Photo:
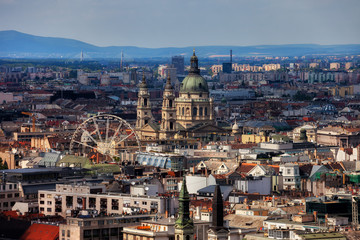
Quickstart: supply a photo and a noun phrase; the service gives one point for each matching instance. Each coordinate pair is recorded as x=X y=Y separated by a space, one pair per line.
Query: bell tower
x=168 y=115
x=184 y=225
x=143 y=107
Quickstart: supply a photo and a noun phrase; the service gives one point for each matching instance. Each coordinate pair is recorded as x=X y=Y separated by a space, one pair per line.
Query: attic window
x=222 y=166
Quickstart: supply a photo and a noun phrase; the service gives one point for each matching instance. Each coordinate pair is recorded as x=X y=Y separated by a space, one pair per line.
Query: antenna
x=121 y=61
x=231 y=56
x=81 y=56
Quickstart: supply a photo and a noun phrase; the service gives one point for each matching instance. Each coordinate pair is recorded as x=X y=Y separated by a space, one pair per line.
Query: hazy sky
x=178 y=23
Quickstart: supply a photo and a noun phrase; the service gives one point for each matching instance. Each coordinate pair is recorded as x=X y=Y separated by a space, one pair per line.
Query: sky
x=181 y=23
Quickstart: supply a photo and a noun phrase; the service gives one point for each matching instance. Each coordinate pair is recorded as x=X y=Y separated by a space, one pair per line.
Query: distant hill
x=15 y=44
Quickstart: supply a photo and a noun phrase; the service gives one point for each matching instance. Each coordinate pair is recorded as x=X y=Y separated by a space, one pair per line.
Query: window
x=48 y=209
x=144 y=203
x=10 y=186
x=49 y=202
x=288 y=171
x=68 y=233
x=63 y=233
x=6 y=204
x=17 y=195
x=87 y=233
x=200 y=111
x=9 y=195
x=96 y=233
x=42 y=202
x=205 y=113
x=2 y=195
x=113 y=231
x=194 y=111
x=183 y=111
x=42 y=195
x=41 y=209
x=101 y=222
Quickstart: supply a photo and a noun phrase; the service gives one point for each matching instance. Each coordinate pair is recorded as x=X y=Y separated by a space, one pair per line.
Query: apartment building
x=291 y=176
x=87 y=226
x=9 y=195
x=66 y=198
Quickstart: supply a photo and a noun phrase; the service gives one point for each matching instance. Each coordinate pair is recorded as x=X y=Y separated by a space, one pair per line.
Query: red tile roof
x=39 y=231
x=245 y=167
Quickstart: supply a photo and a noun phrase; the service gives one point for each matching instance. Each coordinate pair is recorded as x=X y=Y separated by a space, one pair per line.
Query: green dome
x=194 y=83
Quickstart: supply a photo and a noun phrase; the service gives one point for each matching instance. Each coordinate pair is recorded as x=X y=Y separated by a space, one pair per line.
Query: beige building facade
x=78 y=197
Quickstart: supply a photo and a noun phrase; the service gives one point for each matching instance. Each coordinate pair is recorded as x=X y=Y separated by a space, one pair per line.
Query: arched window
x=200 y=85
x=205 y=113
x=183 y=111
x=145 y=102
x=194 y=111
x=187 y=237
x=200 y=111
x=171 y=126
x=178 y=237
x=187 y=111
x=170 y=103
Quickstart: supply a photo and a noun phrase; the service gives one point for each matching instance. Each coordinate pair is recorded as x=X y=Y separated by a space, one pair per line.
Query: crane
x=32 y=115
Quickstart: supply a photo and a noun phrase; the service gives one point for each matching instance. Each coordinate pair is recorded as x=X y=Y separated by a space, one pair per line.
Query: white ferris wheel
x=104 y=138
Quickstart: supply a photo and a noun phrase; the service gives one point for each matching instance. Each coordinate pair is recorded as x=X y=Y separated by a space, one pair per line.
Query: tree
x=3 y=166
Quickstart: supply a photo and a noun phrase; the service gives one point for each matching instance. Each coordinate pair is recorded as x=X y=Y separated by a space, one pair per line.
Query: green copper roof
x=194 y=83
x=184 y=220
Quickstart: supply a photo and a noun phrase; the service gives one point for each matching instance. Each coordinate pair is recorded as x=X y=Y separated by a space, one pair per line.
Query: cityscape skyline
x=185 y=23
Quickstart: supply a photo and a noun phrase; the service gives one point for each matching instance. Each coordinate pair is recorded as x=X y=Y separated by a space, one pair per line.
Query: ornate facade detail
x=144 y=115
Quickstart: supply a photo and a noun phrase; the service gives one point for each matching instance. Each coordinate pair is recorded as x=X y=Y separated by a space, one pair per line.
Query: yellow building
x=254 y=138
x=341 y=91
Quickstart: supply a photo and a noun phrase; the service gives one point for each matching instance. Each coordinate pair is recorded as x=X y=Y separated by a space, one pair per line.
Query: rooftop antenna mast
x=121 y=61
x=81 y=56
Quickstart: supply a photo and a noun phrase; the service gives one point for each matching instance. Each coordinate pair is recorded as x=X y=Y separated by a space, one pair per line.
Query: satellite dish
x=133 y=183
x=146 y=188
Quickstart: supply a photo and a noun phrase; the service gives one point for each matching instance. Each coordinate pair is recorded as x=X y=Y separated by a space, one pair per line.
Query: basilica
x=191 y=115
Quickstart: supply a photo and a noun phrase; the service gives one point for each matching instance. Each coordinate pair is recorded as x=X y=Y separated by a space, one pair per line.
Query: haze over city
x=179 y=120
x=162 y=23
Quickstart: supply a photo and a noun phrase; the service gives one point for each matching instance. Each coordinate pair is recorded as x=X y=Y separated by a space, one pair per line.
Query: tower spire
x=218 y=209
x=184 y=225
x=194 y=64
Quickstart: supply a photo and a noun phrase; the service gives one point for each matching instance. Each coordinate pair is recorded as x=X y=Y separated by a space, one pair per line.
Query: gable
x=208 y=128
x=149 y=128
x=257 y=170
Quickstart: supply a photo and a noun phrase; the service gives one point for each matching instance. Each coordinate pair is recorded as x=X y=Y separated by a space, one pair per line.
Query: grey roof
x=258 y=124
x=31 y=189
x=211 y=189
x=31 y=170
x=50 y=159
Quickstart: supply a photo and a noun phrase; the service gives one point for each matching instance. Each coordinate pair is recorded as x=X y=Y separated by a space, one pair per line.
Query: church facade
x=187 y=116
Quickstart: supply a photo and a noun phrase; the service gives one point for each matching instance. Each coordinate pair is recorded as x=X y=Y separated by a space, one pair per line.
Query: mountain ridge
x=14 y=44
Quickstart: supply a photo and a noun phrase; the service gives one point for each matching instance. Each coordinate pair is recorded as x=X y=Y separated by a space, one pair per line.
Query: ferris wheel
x=104 y=138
